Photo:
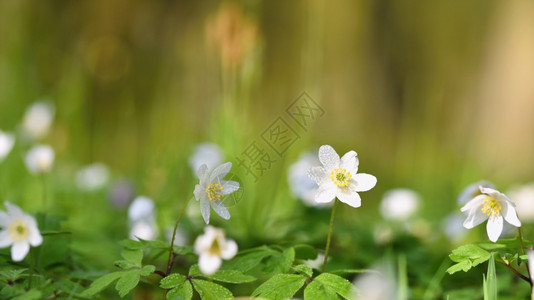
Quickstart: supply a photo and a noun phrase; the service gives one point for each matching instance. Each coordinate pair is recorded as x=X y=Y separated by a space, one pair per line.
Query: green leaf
x=466 y=257
x=102 y=282
x=172 y=281
x=281 y=286
x=135 y=256
x=183 y=291
x=316 y=290
x=131 y=244
x=127 y=282
x=352 y=271
x=231 y=276
x=211 y=291
x=124 y=264
x=336 y=284
x=279 y=263
x=303 y=251
x=304 y=269
x=147 y=270
x=29 y=295
x=490 y=282
x=11 y=275
x=248 y=259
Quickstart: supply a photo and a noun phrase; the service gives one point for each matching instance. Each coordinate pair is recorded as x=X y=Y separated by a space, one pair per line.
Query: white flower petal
x=13 y=210
x=7 y=141
x=494 y=228
x=229 y=187
x=203 y=174
x=199 y=191
x=205 y=209
x=530 y=253
x=230 y=250
x=328 y=157
x=209 y=264
x=326 y=192
x=475 y=217
x=19 y=250
x=142 y=208
x=350 y=162
x=364 y=182
x=349 y=197
x=34 y=237
x=488 y=191
x=5 y=219
x=471 y=191
x=509 y=213
x=5 y=239
x=473 y=203
x=318 y=174
x=220 y=172
x=220 y=209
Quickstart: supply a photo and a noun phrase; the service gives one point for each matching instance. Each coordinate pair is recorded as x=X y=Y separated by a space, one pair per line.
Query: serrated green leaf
x=316 y=290
x=182 y=292
x=172 y=281
x=231 y=276
x=29 y=295
x=131 y=244
x=248 y=259
x=124 y=264
x=102 y=282
x=304 y=269
x=127 y=282
x=211 y=291
x=135 y=256
x=281 y=286
x=337 y=284
x=466 y=257
x=11 y=275
x=279 y=263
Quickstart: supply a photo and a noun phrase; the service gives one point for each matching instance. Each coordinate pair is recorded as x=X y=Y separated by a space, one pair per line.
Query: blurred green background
x=432 y=95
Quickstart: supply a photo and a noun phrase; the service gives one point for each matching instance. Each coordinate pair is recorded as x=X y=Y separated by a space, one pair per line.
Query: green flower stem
x=329 y=235
x=522 y=247
x=174 y=235
x=43 y=179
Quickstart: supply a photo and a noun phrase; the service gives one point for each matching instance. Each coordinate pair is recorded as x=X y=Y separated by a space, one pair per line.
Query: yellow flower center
x=17 y=231
x=214 y=191
x=215 y=248
x=340 y=177
x=491 y=207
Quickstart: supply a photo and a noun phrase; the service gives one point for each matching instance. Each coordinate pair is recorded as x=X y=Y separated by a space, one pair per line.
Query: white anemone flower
x=206 y=153
x=38 y=118
x=19 y=230
x=143 y=229
x=339 y=178
x=377 y=284
x=493 y=206
x=92 y=177
x=40 y=159
x=142 y=208
x=472 y=190
x=7 y=140
x=301 y=185
x=523 y=197
x=399 y=204
x=212 y=247
x=212 y=188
